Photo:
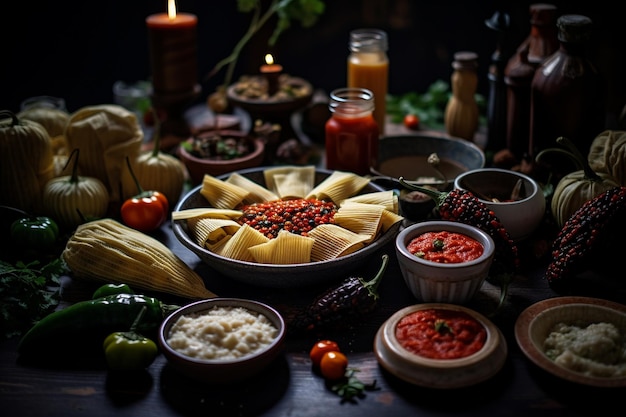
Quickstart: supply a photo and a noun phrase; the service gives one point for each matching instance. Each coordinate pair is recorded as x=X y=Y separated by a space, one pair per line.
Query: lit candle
x=173 y=51
x=272 y=73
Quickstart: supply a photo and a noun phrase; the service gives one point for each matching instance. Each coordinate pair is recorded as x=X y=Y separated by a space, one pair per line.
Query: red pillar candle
x=272 y=72
x=173 y=51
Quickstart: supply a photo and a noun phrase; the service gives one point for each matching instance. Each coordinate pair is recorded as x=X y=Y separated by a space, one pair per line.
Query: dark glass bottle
x=496 y=103
x=541 y=42
x=567 y=91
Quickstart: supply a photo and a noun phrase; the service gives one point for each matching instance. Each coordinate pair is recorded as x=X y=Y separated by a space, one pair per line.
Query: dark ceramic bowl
x=406 y=156
x=272 y=275
x=223 y=370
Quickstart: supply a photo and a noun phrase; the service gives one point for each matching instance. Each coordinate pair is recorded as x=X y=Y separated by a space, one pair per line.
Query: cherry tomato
x=321 y=347
x=412 y=121
x=146 y=211
x=333 y=365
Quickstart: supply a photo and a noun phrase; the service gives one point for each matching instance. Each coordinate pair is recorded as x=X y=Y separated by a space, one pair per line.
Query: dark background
x=77 y=50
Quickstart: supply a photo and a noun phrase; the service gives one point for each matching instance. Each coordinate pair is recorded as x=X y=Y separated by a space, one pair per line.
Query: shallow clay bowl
x=440 y=373
x=536 y=322
x=198 y=167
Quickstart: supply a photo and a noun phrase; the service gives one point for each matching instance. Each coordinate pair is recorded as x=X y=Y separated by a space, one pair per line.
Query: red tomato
x=321 y=347
x=146 y=211
x=412 y=121
x=333 y=365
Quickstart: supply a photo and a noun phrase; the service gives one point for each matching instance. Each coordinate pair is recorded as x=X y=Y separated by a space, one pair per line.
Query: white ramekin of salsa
x=444 y=261
x=440 y=345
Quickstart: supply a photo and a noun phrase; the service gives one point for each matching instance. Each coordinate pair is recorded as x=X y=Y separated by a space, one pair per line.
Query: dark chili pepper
x=129 y=350
x=351 y=298
x=81 y=327
x=111 y=289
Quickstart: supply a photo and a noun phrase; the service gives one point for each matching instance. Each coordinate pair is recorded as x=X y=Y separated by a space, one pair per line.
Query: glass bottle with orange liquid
x=352 y=135
x=368 y=67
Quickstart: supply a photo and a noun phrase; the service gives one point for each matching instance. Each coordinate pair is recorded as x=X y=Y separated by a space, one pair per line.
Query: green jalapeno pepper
x=128 y=351
x=111 y=289
x=81 y=327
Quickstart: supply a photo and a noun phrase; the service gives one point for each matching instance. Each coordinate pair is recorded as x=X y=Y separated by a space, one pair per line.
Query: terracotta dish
x=440 y=373
x=536 y=322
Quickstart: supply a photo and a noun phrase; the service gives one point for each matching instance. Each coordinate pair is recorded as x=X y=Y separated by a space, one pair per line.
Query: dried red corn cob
x=462 y=206
x=579 y=240
x=350 y=299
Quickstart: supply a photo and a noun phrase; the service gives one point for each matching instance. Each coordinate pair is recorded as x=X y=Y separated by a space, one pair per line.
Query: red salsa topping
x=445 y=247
x=297 y=216
x=441 y=334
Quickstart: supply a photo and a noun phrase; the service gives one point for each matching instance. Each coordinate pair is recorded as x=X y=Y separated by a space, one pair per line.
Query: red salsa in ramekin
x=441 y=334
x=445 y=247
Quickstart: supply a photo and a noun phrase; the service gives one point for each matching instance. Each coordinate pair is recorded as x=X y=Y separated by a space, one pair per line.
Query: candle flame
x=269 y=59
x=171 y=9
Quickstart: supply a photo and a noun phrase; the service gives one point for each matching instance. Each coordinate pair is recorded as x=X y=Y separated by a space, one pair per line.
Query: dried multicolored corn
x=578 y=242
x=462 y=206
x=352 y=298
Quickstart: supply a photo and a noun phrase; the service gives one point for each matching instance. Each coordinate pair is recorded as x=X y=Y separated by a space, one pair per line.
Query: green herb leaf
x=351 y=387
x=28 y=292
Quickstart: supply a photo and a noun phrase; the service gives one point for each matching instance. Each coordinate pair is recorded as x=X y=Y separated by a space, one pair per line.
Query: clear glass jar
x=368 y=67
x=352 y=134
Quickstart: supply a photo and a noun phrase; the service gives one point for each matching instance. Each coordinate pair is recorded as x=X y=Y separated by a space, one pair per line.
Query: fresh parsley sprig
x=28 y=292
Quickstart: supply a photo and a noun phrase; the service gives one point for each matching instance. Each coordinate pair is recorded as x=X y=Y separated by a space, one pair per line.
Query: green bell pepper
x=35 y=232
x=127 y=351
x=111 y=289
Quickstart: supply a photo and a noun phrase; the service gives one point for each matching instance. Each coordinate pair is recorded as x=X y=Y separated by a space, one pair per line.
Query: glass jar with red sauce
x=352 y=134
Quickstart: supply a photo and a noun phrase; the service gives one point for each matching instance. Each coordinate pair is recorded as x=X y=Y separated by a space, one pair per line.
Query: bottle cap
x=574 y=28
x=465 y=60
x=368 y=40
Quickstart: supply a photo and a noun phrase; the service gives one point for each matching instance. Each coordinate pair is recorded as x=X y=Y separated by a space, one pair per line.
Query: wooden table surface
x=289 y=387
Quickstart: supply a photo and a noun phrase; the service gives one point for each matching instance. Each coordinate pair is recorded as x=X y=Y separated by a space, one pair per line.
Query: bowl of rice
x=222 y=340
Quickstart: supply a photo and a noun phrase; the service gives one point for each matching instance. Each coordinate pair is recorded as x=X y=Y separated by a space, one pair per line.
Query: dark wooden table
x=289 y=387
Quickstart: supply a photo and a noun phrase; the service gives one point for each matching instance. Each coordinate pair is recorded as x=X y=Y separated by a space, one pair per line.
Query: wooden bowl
x=198 y=167
x=440 y=373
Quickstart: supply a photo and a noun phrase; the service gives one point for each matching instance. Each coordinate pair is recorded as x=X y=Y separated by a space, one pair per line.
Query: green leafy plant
x=28 y=292
x=306 y=12
x=429 y=107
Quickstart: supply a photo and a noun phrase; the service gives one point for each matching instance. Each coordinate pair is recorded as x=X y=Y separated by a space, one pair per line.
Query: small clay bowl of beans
x=439 y=345
x=444 y=261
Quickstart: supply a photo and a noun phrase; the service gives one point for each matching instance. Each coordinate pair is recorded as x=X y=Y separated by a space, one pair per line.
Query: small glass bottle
x=541 y=42
x=352 y=135
x=567 y=91
x=461 y=113
x=368 y=67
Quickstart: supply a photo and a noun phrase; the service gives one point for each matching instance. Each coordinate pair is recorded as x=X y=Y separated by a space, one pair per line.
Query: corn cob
x=351 y=299
x=580 y=239
x=107 y=251
x=462 y=206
